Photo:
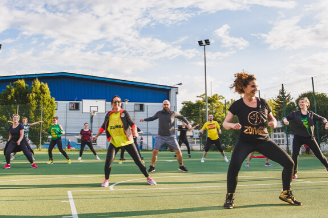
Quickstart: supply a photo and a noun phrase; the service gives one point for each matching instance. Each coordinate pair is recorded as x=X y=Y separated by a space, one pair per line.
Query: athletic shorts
x=216 y=142
x=170 y=141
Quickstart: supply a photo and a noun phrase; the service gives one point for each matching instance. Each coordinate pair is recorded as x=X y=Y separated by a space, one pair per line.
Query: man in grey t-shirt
x=166 y=134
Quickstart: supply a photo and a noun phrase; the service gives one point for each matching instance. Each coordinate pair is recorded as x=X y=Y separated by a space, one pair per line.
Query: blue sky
x=156 y=41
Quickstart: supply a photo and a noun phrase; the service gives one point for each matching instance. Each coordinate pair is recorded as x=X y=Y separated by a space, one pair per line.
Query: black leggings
x=216 y=142
x=23 y=146
x=89 y=145
x=60 y=147
x=123 y=149
x=185 y=141
x=132 y=150
x=313 y=145
x=268 y=149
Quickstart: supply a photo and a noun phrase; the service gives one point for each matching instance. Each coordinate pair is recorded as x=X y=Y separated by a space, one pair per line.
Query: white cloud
x=228 y=41
x=291 y=34
x=105 y=36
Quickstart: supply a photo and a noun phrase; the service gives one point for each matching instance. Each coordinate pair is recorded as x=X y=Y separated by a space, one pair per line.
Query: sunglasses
x=117 y=102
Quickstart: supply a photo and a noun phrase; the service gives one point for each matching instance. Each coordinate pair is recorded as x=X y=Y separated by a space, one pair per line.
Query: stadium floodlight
x=201 y=43
x=179 y=84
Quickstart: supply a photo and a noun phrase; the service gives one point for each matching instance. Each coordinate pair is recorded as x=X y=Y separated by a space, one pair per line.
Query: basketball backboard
x=97 y=105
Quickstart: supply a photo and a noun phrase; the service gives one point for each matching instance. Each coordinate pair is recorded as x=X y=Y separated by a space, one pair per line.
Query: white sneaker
x=150 y=181
x=79 y=158
x=226 y=159
x=105 y=183
x=247 y=165
x=98 y=158
x=203 y=160
x=12 y=158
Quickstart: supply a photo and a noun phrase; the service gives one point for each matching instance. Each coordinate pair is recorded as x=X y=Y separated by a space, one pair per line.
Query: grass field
x=62 y=190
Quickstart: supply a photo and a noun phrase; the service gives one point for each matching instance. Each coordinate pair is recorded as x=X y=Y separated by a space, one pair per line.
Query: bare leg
x=154 y=157
x=204 y=154
x=179 y=157
x=223 y=154
x=250 y=156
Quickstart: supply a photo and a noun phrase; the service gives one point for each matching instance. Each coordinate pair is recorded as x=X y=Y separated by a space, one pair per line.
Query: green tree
x=279 y=103
x=41 y=102
x=196 y=113
x=13 y=100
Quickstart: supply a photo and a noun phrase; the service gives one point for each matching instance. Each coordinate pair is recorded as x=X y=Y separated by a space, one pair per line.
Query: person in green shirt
x=56 y=131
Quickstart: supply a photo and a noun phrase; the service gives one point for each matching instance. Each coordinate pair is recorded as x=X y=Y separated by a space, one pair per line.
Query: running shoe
x=189 y=156
x=150 y=181
x=228 y=204
x=226 y=159
x=69 y=161
x=327 y=169
x=175 y=155
x=98 y=158
x=203 y=160
x=151 y=169
x=269 y=165
x=33 y=165
x=288 y=197
x=79 y=158
x=105 y=183
x=7 y=166
x=142 y=159
x=247 y=165
x=120 y=162
x=183 y=169
x=12 y=158
x=50 y=162
x=295 y=176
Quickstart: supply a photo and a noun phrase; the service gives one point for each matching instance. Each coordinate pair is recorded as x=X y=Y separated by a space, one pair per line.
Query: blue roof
x=70 y=86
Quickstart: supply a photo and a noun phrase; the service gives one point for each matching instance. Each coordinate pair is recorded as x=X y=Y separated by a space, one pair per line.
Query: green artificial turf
x=44 y=192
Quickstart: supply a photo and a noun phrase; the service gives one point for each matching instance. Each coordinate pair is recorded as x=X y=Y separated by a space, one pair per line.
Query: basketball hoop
x=93 y=113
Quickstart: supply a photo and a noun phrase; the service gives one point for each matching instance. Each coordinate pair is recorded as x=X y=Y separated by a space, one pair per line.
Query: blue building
x=69 y=89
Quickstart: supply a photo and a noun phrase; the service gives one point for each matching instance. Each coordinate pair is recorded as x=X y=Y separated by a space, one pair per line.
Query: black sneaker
x=189 y=156
x=151 y=169
x=228 y=204
x=183 y=169
x=288 y=197
x=175 y=155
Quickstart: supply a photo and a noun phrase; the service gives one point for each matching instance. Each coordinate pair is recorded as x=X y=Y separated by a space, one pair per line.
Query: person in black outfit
x=183 y=136
x=86 y=136
x=17 y=142
x=304 y=132
x=253 y=113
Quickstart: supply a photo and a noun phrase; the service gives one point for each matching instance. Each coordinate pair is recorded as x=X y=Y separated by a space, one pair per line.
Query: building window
x=74 y=106
x=139 y=107
x=56 y=105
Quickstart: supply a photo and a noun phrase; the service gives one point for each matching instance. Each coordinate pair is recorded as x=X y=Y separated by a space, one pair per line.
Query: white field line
x=71 y=202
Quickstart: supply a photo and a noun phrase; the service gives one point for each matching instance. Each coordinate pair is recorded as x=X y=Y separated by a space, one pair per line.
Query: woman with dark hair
x=86 y=135
x=56 y=131
x=253 y=114
x=120 y=129
x=17 y=142
x=304 y=132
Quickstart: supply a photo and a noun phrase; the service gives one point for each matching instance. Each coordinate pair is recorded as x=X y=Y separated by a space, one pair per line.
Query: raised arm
x=32 y=124
x=227 y=124
x=150 y=118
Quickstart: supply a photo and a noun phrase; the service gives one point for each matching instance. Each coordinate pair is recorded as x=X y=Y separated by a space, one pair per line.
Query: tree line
x=35 y=103
x=219 y=107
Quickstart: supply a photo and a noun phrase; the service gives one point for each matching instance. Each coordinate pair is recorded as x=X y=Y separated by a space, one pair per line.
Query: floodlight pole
x=206 y=99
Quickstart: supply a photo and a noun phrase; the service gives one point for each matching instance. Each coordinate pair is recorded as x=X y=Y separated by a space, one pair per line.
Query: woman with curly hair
x=253 y=114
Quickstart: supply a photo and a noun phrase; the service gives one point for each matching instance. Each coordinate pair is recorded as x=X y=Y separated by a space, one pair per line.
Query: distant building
x=69 y=89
